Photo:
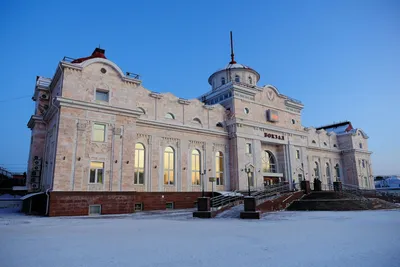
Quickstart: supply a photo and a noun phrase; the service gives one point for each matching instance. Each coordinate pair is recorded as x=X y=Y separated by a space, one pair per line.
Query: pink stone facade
x=235 y=119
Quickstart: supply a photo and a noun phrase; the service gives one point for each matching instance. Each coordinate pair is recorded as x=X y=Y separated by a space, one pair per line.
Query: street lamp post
x=248 y=171
x=202 y=174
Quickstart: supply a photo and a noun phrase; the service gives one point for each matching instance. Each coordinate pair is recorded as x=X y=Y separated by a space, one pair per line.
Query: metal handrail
x=223 y=200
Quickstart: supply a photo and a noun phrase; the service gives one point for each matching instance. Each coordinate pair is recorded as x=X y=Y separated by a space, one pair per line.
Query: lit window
x=99 y=132
x=139 y=164
x=246 y=110
x=268 y=162
x=250 y=80
x=169 y=165
x=297 y=154
x=237 y=78
x=101 y=96
x=248 y=148
x=195 y=167
x=219 y=168
x=96 y=172
x=222 y=80
x=170 y=116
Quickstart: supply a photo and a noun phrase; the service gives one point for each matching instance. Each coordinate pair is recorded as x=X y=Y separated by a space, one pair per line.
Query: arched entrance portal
x=269 y=168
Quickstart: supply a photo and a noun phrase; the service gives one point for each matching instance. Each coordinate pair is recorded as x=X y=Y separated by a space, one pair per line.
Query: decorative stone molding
x=82 y=125
x=183 y=101
x=155 y=95
x=169 y=141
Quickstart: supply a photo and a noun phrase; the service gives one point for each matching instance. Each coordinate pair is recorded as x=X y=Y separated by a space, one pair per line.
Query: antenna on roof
x=232 y=54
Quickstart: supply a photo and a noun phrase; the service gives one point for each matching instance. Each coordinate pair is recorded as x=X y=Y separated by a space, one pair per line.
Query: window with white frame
x=316 y=170
x=195 y=167
x=169 y=166
x=139 y=164
x=337 y=168
x=248 y=148
x=99 y=132
x=219 y=168
x=96 y=172
x=297 y=154
x=102 y=95
x=268 y=162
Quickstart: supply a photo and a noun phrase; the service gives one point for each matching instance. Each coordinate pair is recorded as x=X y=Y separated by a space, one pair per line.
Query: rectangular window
x=169 y=205
x=99 y=132
x=96 y=172
x=138 y=206
x=94 y=209
x=363 y=163
x=360 y=145
x=297 y=154
x=219 y=168
x=139 y=164
x=248 y=148
x=102 y=96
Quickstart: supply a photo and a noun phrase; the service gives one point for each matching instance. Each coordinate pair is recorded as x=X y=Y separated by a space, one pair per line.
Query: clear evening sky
x=340 y=58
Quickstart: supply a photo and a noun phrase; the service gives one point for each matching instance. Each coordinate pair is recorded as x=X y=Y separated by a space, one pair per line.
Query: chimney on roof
x=98 y=50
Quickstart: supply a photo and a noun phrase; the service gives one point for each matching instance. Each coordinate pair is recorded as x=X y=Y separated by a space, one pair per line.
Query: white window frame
x=137 y=169
x=101 y=91
x=248 y=148
x=138 y=203
x=193 y=170
x=105 y=132
x=219 y=174
x=96 y=173
x=173 y=167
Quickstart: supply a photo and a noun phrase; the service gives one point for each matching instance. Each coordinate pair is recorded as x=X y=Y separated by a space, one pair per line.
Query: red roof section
x=97 y=53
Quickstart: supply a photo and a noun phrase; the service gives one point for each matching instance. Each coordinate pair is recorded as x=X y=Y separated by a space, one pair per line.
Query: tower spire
x=232 y=54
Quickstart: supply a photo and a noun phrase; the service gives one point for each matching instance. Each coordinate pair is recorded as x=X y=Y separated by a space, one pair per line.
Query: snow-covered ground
x=362 y=238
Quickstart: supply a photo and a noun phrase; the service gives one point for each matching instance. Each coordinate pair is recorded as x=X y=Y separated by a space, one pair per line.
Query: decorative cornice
x=65 y=102
x=156 y=95
x=162 y=125
x=183 y=101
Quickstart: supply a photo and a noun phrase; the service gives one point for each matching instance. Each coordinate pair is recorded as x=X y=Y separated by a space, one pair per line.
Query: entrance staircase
x=350 y=198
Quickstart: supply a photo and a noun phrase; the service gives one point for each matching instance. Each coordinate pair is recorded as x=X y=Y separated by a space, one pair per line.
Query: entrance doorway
x=268 y=181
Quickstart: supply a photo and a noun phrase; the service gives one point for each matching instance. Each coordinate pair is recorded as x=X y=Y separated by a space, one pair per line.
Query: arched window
x=313 y=141
x=170 y=116
x=268 y=162
x=195 y=167
x=139 y=164
x=337 y=168
x=142 y=110
x=219 y=168
x=219 y=124
x=328 y=170
x=169 y=165
x=316 y=170
x=237 y=78
x=222 y=80
x=197 y=120
x=250 y=80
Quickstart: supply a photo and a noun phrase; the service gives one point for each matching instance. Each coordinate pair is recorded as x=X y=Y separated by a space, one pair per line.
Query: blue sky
x=340 y=58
